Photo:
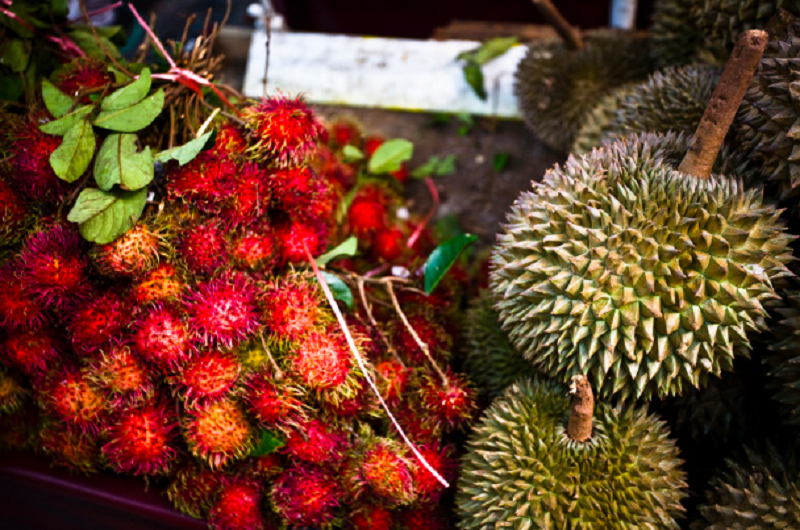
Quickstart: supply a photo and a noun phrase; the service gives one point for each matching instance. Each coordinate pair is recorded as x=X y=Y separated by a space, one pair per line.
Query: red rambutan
x=238 y=506
x=392 y=380
x=230 y=140
x=429 y=330
x=307 y=496
x=371 y=144
x=161 y=337
x=159 y=285
x=301 y=194
x=285 y=128
x=321 y=360
x=69 y=395
x=218 y=432
x=345 y=131
x=11 y=392
x=423 y=517
x=203 y=247
x=205 y=182
x=295 y=237
x=255 y=250
x=15 y=215
x=388 y=245
x=429 y=489
x=54 y=266
x=141 y=440
x=264 y=467
x=72 y=448
x=83 y=73
x=122 y=373
x=292 y=307
x=132 y=255
x=223 y=310
x=388 y=472
x=417 y=427
x=207 y=376
x=372 y=517
x=249 y=198
x=315 y=442
x=97 y=320
x=369 y=211
x=193 y=489
x=18 y=308
x=31 y=171
x=273 y=404
x=337 y=173
x=451 y=405
x=32 y=351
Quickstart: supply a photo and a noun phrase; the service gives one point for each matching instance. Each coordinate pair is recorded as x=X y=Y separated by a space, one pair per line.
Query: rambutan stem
x=569 y=33
x=422 y=346
x=724 y=104
x=581 y=412
x=435 y=196
x=278 y=371
x=363 y=366
x=368 y=308
x=94 y=13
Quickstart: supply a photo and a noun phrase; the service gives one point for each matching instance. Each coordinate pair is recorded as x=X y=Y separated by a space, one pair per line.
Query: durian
x=490 y=361
x=769 y=117
x=785 y=356
x=677 y=39
x=761 y=492
x=522 y=469
x=647 y=280
x=557 y=87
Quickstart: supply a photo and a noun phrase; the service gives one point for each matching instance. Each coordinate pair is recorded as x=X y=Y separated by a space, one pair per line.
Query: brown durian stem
x=725 y=101
x=569 y=33
x=581 y=412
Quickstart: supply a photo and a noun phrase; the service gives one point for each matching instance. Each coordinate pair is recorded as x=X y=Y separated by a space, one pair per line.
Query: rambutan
x=273 y=404
x=371 y=144
x=388 y=472
x=142 y=439
x=337 y=173
x=321 y=360
x=417 y=426
x=264 y=467
x=230 y=140
x=295 y=237
x=255 y=250
x=249 y=197
x=429 y=330
x=429 y=489
x=32 y=351
x=162 y=284
x=69 y=395
x=369 y=211
x=132 y=255
x=372 y=517
x=218 y=432
x=451 y=405
x=54 y=266
x=31 y=171
x=316 y=442
x=345 y=132
x=18 y=308
x=83 y=73
x=15 y=215
x=357 y=402
x=161 y=337
x=203 y=247
x=11 y=392
x=193 y=489
x=97 y=320
x=70 y=447
x=392 y=380
x=20 y=429
x=422 y=517
x=292 y=307
x=121 y=373
x=205 y=182
x=301 y=194
x=238 y=506
x=285 y=128
x=307 y=496
x=388 y=245
x=207 y=376
x=223 y=311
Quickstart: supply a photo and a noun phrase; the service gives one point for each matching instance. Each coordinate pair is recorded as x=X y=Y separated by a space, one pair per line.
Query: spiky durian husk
x=767 y=119
x=490 y=360
x=523 y=471
x=785 y=356
x=619 y=267
x=677 y=39
x=762 y=491
x=557 y=87
x=673 y=99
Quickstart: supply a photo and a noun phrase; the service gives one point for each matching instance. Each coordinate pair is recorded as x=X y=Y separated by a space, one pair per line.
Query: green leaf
x=16 y=54
x=348 y=248
x=133 y=118
x=447 y=166
x=60 y=8
x=86 y=41
x=119 y=75
x=268 y=443
x=11 y=87
x=118 y=162
x=105 y=215
x=344 y=205
x=339 y=289
x=72 y=157
x=500 y=161
x=436 y=166
x=390 y=156
x=185 y=153
x=57 y=102
x=474 y=77
x=441 y=259
x=60 y=126
x=352 y=154
x=128 y=95
x=492 y=49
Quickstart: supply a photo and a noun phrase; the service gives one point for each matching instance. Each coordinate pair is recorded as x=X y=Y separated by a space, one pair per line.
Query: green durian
x=677 y=39
x=557 y=87
x=768 y=122
x=619 y=267
x=522 y=471
x=490 y=360
x=760 y=492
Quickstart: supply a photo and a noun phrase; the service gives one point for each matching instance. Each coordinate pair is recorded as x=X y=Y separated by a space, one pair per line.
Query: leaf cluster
x=475 y=59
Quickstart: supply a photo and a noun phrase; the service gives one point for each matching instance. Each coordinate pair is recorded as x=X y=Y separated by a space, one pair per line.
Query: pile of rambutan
x=199 y=350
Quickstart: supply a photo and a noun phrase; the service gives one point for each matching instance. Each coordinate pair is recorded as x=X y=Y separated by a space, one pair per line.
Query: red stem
x=14 y=16
x=435 y=196
x=94 y=13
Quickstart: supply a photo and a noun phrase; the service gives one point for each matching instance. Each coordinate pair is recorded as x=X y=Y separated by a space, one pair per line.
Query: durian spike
x=581 y=412
x=724 y=103
x=569 y=33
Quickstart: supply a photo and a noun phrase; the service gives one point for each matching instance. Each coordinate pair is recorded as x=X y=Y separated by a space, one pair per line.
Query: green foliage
x=269 y=442
x=63 y=124
x=500 y=161
x=473 y=75
x=475 y=59
x=103 y=216
x=16 y=54
x=133 y=118
x=436 y=166
x=339 y=289
x=444 y=257
x=128 y=95
x=187 y=152
x=119 y=162
x=57 y=103
x=71 y=159
x=346 y=249
x=352 y=154
x=390 y=156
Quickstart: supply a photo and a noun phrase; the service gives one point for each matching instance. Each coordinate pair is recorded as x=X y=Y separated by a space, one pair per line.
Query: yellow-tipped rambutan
x=193 y=489
x=97 y=321
x=71 y=447
x=12 y=392
x=316 y=442
x=32 y=352
x=223 y=310
x=161 y=337
x=238 y=506
x=218 y=432
x=307 y=496
x=19 y=309
x=132 y=255
x=203 y=247
x=321 y=359
x=162 y=284
x=123 y=374
x=388 y=472
x=274 y=404
x=209 y=375
x=69 y=395
x=292 y=306
x=451 y=405
x=255 y=250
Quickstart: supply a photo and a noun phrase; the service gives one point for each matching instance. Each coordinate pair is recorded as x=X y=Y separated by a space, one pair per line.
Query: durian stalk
x=581 y=412
x=724 y=103
x=570 y=34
